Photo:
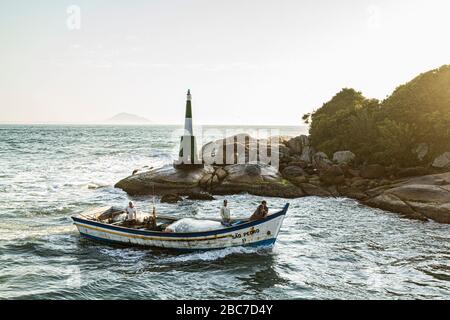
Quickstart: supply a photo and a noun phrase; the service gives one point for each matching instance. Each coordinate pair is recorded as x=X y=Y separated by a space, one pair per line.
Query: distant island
x=127 y=118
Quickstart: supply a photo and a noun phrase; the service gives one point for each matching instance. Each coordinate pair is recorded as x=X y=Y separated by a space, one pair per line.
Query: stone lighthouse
x=188 y=157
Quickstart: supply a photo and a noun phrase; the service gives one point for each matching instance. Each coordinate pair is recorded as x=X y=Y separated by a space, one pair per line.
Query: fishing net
x=194 y=225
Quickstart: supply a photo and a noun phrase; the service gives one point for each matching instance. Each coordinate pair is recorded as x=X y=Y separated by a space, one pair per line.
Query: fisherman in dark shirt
x=260 y=212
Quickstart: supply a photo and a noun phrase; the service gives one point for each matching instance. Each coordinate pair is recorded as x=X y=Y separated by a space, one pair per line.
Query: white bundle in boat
x=194 y=225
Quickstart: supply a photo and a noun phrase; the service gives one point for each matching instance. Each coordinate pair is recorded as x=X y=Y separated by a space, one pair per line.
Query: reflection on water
x=263 y=276
x=327 y=248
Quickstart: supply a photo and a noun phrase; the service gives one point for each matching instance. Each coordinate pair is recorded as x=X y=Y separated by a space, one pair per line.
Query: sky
x=255 y=62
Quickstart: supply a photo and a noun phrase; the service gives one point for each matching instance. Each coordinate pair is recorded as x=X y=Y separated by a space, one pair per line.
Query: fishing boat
x=98 y=224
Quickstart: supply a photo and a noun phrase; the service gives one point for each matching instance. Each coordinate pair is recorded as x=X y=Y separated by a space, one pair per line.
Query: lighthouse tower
x=188 y=157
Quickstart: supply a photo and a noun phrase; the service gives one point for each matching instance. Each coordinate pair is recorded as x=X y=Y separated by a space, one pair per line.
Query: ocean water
x=327 y=248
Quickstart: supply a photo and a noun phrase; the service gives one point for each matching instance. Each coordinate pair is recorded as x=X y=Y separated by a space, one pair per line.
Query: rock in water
x=343 y=157
x=443 y=161
x=221 y=173
x=295 y=174
x=297 y=144
x=312 y=190
x=413 y=172
x=200 y=196
x=250 y=170
x=257 y=179
x=205 y=181
x=171 y=198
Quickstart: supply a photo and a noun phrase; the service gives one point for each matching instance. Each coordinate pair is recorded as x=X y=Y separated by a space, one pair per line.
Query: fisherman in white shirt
x=131 y=211
x=225 y=214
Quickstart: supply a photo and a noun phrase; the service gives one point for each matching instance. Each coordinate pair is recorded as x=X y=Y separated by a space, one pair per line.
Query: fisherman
x=225 y=214
x=131 y=211
x=260 y=212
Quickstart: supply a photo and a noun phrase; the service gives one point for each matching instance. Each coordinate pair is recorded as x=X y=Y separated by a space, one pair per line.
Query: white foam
x=210 y=255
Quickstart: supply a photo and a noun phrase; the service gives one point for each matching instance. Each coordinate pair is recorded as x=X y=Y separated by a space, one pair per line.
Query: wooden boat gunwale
x=85 y=221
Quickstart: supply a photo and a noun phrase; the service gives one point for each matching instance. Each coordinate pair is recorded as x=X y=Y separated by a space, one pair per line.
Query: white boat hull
x=256 y=233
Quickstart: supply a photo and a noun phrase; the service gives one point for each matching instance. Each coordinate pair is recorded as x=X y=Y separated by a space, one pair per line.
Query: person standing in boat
x=260 y=212
x=131 y=211
x=225 y=214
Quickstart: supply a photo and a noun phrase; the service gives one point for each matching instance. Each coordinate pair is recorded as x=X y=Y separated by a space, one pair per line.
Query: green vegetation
x=387 y=132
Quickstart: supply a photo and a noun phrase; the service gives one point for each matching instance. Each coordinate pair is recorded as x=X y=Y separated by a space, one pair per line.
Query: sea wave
x=327 y=248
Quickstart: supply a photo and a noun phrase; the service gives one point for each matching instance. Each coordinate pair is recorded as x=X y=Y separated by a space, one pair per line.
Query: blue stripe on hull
x=262 y=243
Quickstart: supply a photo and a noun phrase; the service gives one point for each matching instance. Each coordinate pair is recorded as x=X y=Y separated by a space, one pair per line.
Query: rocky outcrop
x=171 y=198
x=372 y=171
x=201 y=196
x=293 y=171
x=341 y=157
x=332 y=176
x=426 y=197
x=238 y=148
x=415 y=192
x=443 y=161
x=164 y=180
x=314 y=190
x=242 y=149
x=320 y=161
x=257 y=179
x=297 y=144
x=212 y=179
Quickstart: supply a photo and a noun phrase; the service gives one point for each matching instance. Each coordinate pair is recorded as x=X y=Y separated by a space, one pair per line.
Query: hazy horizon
x=300 y=125
x=246 y=62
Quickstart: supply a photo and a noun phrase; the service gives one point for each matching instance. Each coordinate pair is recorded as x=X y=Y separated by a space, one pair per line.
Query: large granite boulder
x=307 y=154
x=351 y=192
x=341 y=157
x=242 y=149
x=165 y=180
x=171 y=198
x=293 y=172
x=443 y=161
x=349 y=172
x=314 y=190
x=201 y=196
x=320 y=161
x=211 y=179
x=298 y=147
x=283 y=152
x=257 y=179
x=238 y=148
x=332 y=176
x=372 y=171
x=426 y=197
x=297 y=144
x=413 y=172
